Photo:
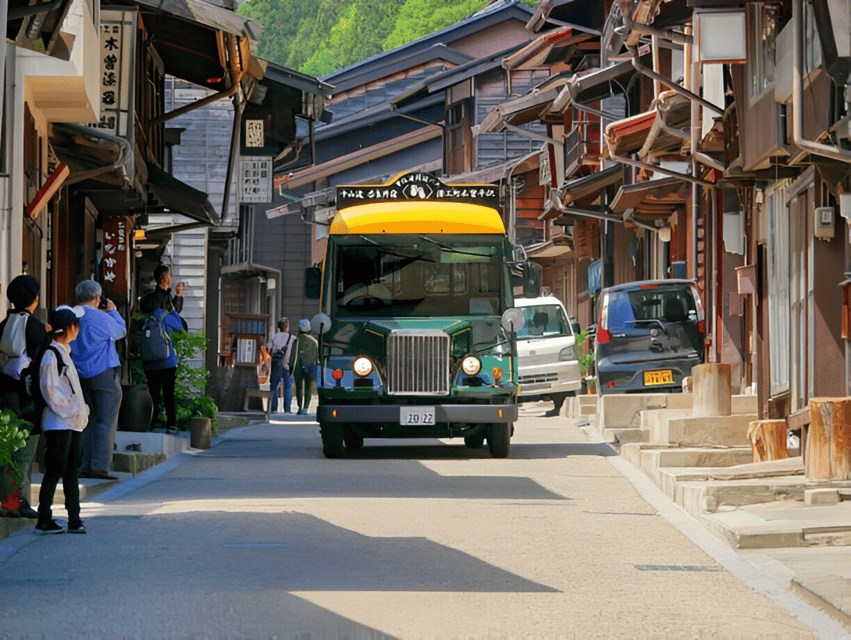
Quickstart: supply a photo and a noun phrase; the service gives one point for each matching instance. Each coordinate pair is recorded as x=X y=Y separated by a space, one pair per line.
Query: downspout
x=669 y=172
x=8 y=94
x=203 y=102
x=239 y=107
x=834 y=153
x=512 y=200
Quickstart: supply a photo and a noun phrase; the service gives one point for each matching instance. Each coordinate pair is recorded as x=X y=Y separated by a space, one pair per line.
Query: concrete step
x=89 y=487
x=698 y=457
x=134 y=463
x=630 y=435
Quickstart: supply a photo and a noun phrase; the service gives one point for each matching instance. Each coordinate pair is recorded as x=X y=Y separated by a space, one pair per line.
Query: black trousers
x=61 y=460
x=161 y=386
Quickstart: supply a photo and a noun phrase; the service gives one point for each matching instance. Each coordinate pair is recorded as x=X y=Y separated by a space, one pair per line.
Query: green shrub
x=13 y=436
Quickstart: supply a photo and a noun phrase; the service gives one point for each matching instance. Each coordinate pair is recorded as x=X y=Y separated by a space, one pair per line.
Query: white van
x=547 y=366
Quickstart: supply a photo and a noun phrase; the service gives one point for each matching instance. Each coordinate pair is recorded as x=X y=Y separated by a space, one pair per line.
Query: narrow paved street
x=261 y=537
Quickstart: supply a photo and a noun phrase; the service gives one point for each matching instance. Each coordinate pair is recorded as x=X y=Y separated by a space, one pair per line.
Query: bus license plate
x=658 y=377
x=416 y=416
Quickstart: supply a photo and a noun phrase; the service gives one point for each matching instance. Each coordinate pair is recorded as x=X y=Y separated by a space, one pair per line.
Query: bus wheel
x=474 y=442
x=332 y=439
x=499 y=440
x=352 y=439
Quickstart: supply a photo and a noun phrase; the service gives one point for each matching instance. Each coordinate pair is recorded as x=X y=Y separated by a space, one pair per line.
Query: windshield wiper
x=447 y=247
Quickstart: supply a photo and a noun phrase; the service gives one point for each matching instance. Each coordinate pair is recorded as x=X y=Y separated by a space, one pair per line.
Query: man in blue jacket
x=99 y=368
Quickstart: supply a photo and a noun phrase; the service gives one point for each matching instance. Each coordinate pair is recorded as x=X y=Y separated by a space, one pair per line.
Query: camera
x=104 y=302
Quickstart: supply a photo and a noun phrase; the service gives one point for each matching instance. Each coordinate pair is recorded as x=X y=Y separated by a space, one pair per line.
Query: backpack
x=13 y=345
x=31 y=379
x=154 y=340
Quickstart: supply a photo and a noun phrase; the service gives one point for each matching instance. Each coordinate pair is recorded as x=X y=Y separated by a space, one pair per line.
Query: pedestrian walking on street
x=303 y=362
x=24 y=294
x=63 y=421
x=99 y=368
x=281 y=346
x=161 y=375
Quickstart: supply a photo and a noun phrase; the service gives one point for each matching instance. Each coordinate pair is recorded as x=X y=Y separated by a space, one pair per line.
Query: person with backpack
x=65 y=416
x=99 y=368
x=303 y=361
x=159 y=359
x=281 y=346
x=24 y=294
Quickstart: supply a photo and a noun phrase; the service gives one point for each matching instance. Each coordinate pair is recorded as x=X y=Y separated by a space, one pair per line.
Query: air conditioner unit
x=823 y=225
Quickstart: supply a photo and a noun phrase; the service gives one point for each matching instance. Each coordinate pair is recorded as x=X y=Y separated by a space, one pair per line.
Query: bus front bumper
x=446 y=413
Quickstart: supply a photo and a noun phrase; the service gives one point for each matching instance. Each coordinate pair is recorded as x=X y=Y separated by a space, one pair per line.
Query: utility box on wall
x=823 y=227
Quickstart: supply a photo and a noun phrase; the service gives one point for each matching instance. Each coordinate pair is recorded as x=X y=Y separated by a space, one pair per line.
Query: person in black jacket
x=24 y=294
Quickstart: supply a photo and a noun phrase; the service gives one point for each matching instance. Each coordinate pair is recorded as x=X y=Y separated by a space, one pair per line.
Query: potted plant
x=191 y=381
x=13 y=436
x=586 y=363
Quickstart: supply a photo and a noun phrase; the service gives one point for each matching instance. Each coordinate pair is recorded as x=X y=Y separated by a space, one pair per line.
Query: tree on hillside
x=418 y=18
x=357 y=35
x=281 y=20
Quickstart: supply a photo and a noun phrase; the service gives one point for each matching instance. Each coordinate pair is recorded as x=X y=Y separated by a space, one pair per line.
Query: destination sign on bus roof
x=417 y=186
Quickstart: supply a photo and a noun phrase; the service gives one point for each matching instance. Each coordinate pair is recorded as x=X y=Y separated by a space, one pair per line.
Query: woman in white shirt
x=63 y=421
x=281 y=345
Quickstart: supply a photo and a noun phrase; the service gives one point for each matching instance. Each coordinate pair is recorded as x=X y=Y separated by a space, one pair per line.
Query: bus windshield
x=417 y=275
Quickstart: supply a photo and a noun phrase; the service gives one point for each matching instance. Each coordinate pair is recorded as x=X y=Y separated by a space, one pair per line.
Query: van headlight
x=568 y=353
x=362 y=366
x=471 y=365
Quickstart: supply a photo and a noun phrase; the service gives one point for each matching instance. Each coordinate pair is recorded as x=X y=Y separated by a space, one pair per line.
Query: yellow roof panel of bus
x=417 y=217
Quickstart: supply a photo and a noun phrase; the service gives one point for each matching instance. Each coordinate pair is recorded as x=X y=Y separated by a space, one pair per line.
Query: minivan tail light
x=603 y=336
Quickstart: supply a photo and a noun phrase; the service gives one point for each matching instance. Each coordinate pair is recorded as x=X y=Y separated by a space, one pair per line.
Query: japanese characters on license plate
x=658 y=377
x=416 y=416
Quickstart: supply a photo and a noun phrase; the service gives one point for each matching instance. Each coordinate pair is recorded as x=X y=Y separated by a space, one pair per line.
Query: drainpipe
x=835 y=153
x=7 y=92
x=239 y=107
x=512 y=200
x=669 y=172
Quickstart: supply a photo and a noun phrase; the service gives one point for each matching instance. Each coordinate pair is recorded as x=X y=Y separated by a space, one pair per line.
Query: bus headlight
x=362 y=366
x=471 y=365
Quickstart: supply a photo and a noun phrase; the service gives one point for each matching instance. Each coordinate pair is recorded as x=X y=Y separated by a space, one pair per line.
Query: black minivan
x=649 y=336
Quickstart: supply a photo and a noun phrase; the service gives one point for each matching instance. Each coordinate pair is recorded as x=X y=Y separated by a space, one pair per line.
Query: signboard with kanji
x=117 y=58
x=255 y=179
x=115 y=257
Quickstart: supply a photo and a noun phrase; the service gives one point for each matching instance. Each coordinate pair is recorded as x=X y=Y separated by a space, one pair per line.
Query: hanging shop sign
x=117 y=57
x=115 y=258
x=255 y=179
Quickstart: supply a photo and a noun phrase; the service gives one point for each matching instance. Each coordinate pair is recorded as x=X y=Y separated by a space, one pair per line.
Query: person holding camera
x=281 y=345
x=99 y=367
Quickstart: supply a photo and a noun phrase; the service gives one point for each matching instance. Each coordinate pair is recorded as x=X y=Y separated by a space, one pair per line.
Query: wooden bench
x=798 y=423
x=265 y=396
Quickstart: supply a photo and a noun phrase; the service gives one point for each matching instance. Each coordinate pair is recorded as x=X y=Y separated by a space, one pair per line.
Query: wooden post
x=829 y=439
x=712 y=390
x=768 y=440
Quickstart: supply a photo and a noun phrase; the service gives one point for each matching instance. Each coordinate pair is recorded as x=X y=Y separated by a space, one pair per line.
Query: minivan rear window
x=666 y=304
x=543 y=320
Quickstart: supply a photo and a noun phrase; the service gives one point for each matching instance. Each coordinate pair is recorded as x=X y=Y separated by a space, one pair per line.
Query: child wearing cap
x=63 y=421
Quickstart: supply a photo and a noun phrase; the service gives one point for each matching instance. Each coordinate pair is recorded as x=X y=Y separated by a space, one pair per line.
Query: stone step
x=89 y=487
x=630 y=435
x=697 y=457
x=134 y=463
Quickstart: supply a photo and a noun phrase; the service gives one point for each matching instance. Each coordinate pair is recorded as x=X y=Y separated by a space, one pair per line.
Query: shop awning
x=92 y=154
x=497 y=172
x=580 y=193
x=548 y=250
x=551 y=48
x=653 y=199
x=586 y=15
x=179 y=197
x=662 y=131
x=627 y=136
x=519 y=111
x=594 y=85
x=188 y=35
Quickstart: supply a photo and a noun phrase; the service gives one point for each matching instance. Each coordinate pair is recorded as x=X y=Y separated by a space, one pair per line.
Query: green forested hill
x=319 y=37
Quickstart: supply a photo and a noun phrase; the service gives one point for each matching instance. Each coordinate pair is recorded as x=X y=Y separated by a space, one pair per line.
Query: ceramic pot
x=137 y=409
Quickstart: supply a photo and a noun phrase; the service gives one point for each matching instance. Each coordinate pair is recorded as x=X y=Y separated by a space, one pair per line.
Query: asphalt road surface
x=261 y=537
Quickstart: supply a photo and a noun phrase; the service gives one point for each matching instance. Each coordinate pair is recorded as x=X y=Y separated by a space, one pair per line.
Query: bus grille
x=418 y=362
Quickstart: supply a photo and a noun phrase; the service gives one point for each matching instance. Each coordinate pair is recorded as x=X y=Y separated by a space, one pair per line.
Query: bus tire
x=332 y=439
x=474 y=442
x=499 y=440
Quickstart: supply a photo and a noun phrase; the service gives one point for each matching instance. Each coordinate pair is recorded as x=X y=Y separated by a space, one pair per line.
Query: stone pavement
x=797 y=532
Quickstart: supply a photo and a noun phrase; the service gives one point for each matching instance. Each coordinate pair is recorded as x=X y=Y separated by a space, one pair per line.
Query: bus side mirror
x=532 y=277
x=312 y=283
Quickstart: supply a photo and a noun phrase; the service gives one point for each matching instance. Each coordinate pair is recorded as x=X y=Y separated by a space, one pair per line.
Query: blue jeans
x=280 y=375
x=103 y=395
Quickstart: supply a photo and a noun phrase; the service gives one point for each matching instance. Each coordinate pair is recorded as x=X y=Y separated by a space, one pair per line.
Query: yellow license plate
x=658 y=377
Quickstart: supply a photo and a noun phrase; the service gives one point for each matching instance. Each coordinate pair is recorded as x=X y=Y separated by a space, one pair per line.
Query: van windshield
x=417 y=275
x=543 y=320
x=628 y=309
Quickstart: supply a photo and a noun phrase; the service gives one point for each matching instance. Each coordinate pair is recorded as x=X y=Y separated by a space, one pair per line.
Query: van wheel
x=474 y=442
x=332 y=439
x=352 y=439
x=499 y=440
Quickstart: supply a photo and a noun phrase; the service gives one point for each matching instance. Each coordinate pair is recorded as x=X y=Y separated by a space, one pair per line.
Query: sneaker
x=50 y=527
x=78 y=527
x=26 y=511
